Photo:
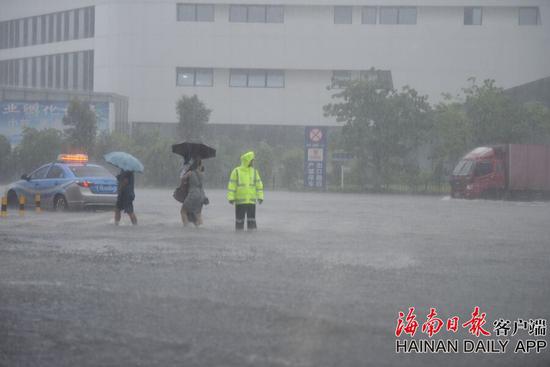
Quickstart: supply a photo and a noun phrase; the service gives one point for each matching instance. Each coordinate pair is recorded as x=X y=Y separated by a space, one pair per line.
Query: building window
x=275 y=79
x=58 y=24
x=255 y=78
x=204 y=77
x=205 y=13
x=237 y=13
x=238 y=78
x=368 y=15
x=50 y=70
x=194 y=77
x=34 y=30
x=17 y=27
x=381 y=78
x=25 y=72
x=92 y=22
x=86 y=22
x=26 y=31
x=76 y=70
x=407 y=15
x=58 y=71
x=340 y=78
x=50 y=28
x=187 y=12
x=275 y=14
x=66 y=71
x=388 y=15
x=473 y=15
x=66 y=24
x=529 y=16
x=43 y=35
x=185 y=77
x=43 y=61
x=256 y=14
x=398 y=15
x=33 y=72
x=343 y=15
x=3 y=35
x=195 y=12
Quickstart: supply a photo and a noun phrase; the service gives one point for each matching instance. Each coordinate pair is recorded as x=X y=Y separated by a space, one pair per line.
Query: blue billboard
x=14 y=116
x=315 y=157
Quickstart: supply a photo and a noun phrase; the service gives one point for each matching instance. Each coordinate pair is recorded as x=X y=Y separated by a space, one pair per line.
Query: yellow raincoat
x=245 y=184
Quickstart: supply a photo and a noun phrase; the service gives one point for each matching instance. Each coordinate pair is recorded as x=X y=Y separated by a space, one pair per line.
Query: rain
x=289 y=183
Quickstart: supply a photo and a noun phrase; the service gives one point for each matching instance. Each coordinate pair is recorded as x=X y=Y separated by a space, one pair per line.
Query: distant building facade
x=267 y=63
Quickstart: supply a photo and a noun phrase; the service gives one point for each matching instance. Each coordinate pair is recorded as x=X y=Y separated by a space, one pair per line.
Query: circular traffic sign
x=315 y=135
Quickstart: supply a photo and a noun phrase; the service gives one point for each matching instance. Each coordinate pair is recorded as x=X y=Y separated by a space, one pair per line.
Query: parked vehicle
x=511 y=171
x=69 y=183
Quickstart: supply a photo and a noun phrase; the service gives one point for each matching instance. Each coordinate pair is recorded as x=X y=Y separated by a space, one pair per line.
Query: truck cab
x=480 y=173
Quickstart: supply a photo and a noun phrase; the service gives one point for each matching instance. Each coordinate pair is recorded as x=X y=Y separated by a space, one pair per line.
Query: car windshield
x=90 y=171
x=463 y=168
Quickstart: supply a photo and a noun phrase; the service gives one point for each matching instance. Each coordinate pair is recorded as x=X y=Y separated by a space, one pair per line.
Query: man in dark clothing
x=126 y=196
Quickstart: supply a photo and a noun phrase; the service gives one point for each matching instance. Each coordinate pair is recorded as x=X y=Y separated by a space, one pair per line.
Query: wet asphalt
x=319 y=284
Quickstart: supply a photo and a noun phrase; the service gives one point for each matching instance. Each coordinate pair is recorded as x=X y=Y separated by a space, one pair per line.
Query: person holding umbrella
x=126 y=196
x=244 y=189
x=128 y=164
x=191 y=192
x=191 y=208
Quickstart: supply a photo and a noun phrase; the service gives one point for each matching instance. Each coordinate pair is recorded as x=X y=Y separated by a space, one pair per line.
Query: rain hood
x=246 y=158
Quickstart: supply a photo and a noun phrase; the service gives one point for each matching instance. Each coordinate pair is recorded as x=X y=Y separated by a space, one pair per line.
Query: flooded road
x=320 y=284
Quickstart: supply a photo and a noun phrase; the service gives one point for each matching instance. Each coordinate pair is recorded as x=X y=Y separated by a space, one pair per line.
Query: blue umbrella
x=124 y=161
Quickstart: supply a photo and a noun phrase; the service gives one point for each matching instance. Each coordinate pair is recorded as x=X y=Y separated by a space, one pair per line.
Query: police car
x=69 y=183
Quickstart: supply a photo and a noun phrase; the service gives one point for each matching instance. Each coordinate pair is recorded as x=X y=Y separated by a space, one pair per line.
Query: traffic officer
x=244 y=189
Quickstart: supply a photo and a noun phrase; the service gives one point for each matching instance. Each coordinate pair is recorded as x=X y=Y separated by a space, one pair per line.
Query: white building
x=267 y=62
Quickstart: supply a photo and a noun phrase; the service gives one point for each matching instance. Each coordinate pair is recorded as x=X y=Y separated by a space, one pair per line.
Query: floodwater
x=320 y=283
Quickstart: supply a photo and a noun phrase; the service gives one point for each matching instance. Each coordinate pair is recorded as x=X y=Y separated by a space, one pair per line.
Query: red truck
x=503 y=171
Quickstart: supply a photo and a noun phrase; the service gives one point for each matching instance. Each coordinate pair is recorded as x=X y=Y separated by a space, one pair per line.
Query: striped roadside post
x=22 y=200
x=37 y=203
x=4 y=211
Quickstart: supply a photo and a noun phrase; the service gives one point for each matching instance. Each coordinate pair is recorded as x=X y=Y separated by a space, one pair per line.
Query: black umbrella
x=193 y=150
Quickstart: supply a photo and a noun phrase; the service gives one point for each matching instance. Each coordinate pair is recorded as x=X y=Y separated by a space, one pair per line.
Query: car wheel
x=13 y=200
x=60 y=203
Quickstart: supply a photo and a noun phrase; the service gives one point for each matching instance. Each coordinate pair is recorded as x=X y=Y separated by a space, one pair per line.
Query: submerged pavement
x=320 y=284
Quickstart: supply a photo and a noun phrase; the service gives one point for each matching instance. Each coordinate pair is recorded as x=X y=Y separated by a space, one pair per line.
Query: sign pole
x=342 y=176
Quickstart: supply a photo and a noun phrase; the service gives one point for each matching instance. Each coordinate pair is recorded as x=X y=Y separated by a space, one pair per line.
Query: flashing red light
x=73 y=158
x=84 y=184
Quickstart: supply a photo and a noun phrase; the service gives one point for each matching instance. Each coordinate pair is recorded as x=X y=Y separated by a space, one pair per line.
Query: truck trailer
x=514 y=171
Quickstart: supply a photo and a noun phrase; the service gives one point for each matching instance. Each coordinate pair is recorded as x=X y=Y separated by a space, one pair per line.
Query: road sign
x=315 y=157
x=315 y=135
x=342 y=156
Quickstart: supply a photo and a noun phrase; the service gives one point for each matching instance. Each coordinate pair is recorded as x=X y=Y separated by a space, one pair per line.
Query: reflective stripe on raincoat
x=245 y=184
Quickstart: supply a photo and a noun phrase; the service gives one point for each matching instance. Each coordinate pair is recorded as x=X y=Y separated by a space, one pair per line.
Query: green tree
x=536 y=123
x=193 y=116
x=82 y=126
x=37 y=147
x=382 y=127
x=109 y=142
x=292 y=169
x=265 y=162
x=493 y=116
x=451 y=136
x=162 y=167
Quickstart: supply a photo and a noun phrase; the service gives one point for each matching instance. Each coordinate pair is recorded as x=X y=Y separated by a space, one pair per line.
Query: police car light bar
x=73 y=158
